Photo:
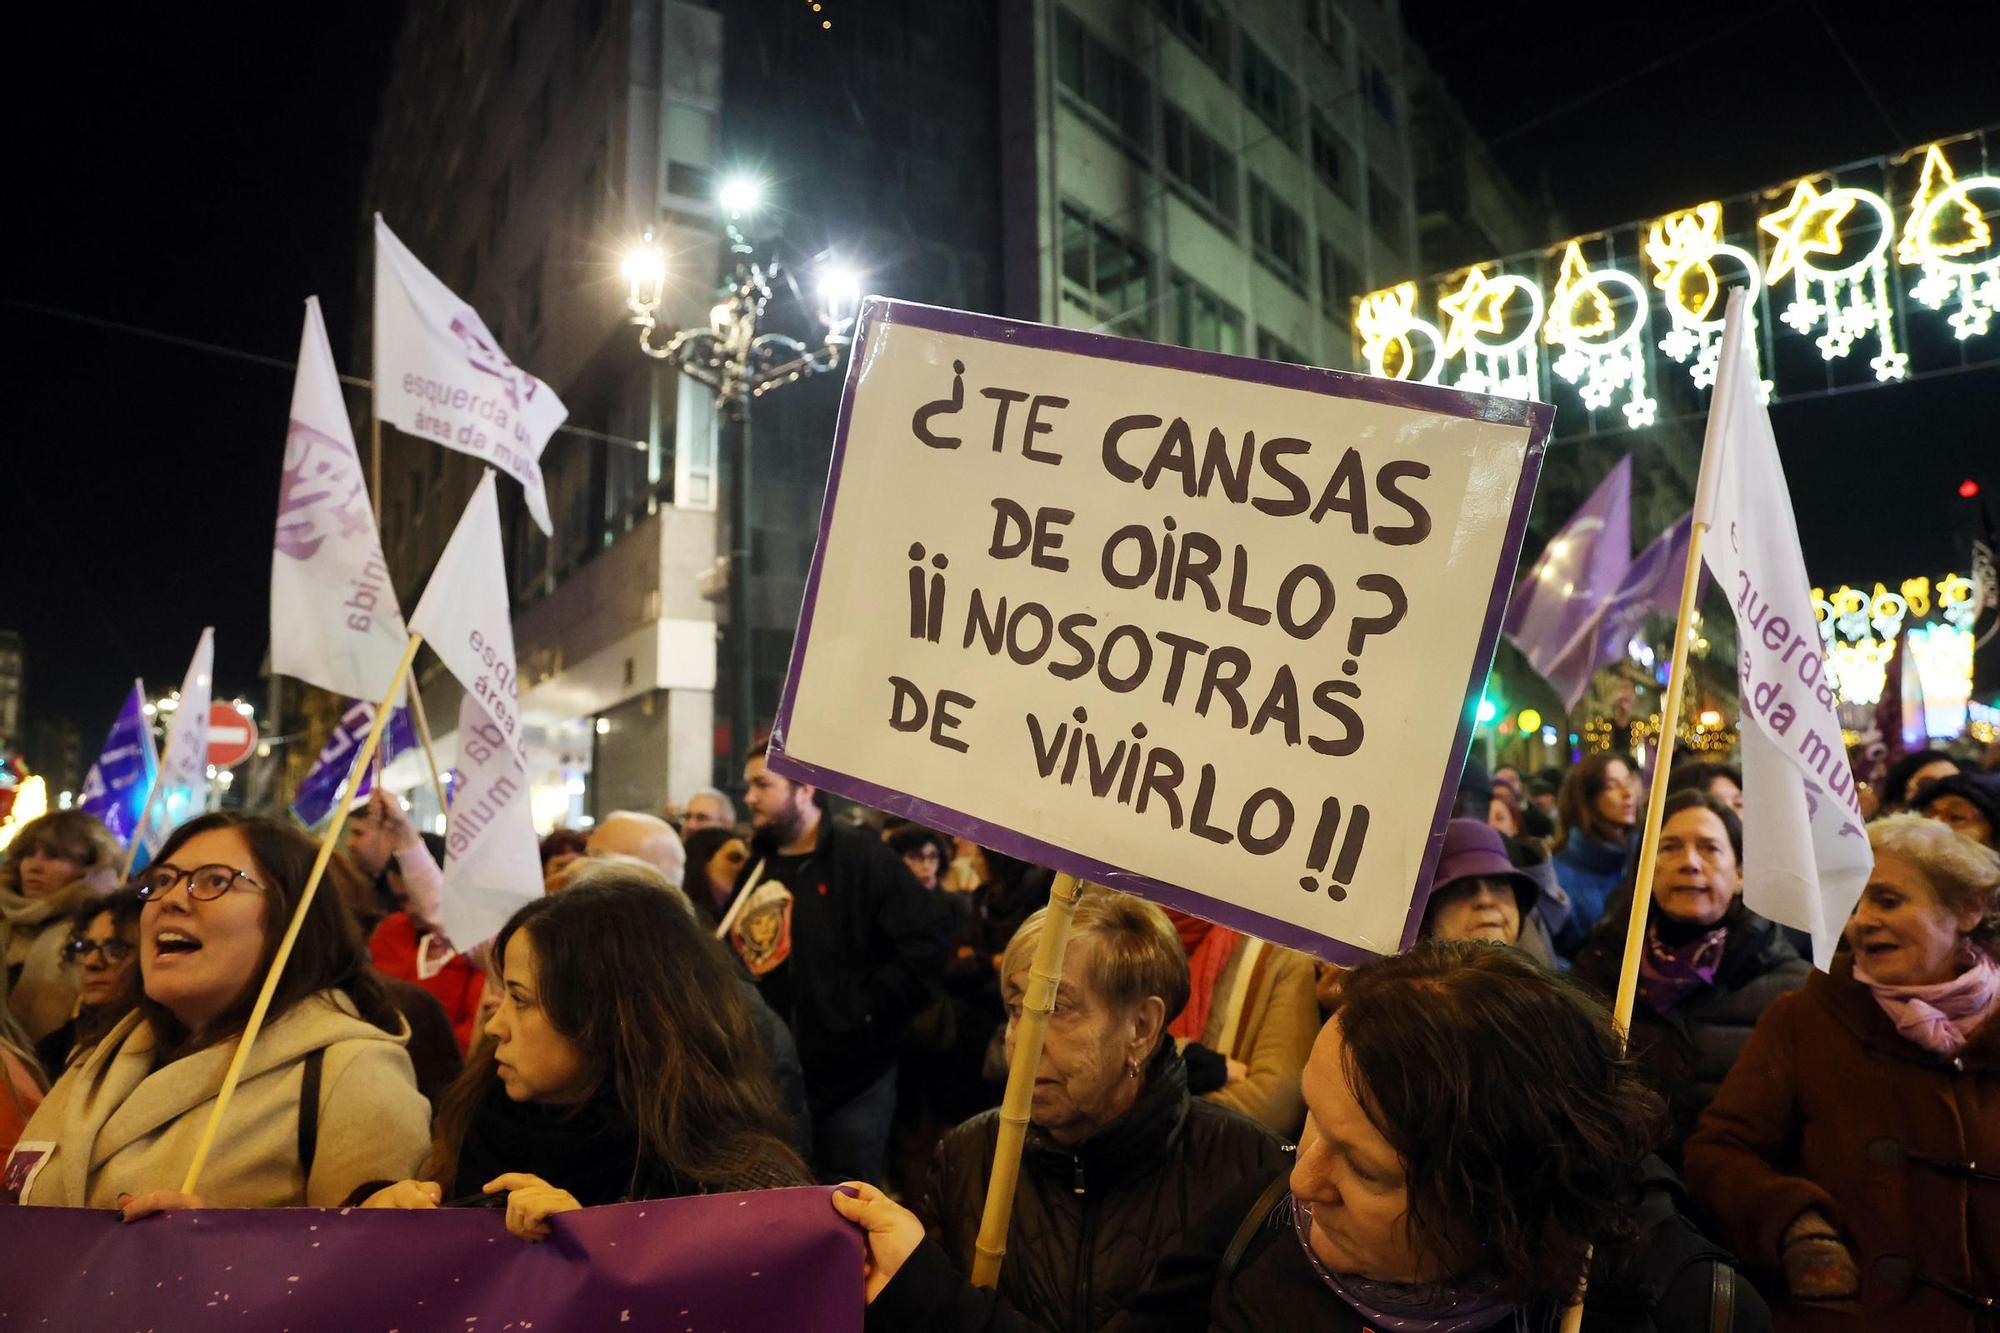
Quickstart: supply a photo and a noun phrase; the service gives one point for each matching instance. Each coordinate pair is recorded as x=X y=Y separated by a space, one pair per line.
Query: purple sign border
x=880 y=311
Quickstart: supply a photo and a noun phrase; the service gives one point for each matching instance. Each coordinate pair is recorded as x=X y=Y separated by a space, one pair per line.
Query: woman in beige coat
x=327 y=1100
x=56 y=864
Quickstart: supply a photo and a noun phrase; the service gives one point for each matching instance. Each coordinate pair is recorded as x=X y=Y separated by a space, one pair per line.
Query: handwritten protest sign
x=1193 y=626
x=715 y=1264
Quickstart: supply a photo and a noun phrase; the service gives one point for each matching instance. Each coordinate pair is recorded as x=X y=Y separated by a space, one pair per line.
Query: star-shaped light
x=1641 y=412
x=1795 y=239
x=1473 y=308
x=1891 y=366
x=1680 y=344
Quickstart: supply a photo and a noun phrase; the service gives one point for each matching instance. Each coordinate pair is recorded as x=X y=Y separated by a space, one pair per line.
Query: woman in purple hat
x=1477 y=892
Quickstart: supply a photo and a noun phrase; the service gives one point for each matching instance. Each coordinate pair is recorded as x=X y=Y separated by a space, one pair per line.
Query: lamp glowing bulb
x=1710 y=718
x=644 y=267
x=1487 y=711
x=839 y=293
x=1530 y=720
x=1968 y=488
x=740 y=194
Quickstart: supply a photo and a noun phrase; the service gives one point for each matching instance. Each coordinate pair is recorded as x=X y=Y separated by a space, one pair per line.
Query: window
x=1103 y=272
x=1201 y=22
x=1330 y=156
x=1270 y=347
x=1203 y=319
x=1339 y=281
x=1277 y=233
x=1323 y=21
x=1380 y=92
x=1385 y=206
x=1200 y=163
x=1103 y=80
x=1269 y=90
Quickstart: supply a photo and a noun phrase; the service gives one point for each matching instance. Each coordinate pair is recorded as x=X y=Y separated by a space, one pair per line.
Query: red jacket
x=457 y=984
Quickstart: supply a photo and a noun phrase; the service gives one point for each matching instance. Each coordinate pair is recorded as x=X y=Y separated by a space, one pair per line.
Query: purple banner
x=726 y=1263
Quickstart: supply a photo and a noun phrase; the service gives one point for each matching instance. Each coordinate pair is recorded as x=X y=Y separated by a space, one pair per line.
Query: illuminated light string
x=1390 y=329
x=1600 y=353
x=1685 y=248
x=1860 y=628
x=1481 y=305
x=1947 y=237
x=1852 y=301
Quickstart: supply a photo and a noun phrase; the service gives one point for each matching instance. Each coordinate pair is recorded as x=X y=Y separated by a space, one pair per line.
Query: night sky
x=197 y=170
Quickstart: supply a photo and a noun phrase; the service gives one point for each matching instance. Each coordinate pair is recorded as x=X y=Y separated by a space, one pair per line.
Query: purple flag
x=120 y=782
x=326 y=783
x=1653 y=583
x=1579 y=570
x=720 y=1263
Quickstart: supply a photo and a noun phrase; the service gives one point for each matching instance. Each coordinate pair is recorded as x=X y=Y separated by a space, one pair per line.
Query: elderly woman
x=1473 y=1134
x=1852 y=1150
x=1597 y=807
x=1120 y=1160
x=55 y=864
x=1710 y=967
x=327 y=1099
x=1477 y=893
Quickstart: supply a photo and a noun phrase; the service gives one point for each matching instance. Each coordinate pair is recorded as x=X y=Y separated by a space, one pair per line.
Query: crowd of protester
x=1223 y=1133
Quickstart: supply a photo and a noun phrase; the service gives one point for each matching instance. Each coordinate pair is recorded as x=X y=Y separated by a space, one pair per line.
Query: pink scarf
x=1940 y=1017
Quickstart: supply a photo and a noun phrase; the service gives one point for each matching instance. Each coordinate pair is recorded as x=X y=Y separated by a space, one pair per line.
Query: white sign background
x=1260 y=829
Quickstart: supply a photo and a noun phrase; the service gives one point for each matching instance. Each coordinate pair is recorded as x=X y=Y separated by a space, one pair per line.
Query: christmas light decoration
x=1685 y=249
x=1504 y=365
x=1947 y=236
x=1387 y=322
x=1853 y=289
x=1860 y=628
x=1600 y=352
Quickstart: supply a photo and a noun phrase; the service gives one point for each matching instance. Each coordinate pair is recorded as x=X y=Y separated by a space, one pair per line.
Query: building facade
x=1221 y=176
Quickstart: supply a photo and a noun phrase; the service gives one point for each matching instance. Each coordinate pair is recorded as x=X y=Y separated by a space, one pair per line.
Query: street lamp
x=740 y=364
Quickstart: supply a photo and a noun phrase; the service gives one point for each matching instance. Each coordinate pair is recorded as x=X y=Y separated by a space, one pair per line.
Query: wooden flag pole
x=416 y=696
x=1044 y=975
x=424 y=739
x=1656 y=805
x=328 y=841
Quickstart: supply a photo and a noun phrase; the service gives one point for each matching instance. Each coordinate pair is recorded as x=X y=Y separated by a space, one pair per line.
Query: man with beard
x=846 y=945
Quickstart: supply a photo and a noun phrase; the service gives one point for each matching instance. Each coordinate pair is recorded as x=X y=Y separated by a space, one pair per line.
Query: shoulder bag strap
x=309 y=1110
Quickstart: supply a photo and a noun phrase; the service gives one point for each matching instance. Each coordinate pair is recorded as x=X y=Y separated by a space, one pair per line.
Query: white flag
x=183 y=782
x=334 y=618
x=492 y=864
x=1806 y=854
x=441 y=376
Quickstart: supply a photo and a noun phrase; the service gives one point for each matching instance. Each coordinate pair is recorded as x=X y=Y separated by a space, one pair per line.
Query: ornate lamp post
x=740 y=364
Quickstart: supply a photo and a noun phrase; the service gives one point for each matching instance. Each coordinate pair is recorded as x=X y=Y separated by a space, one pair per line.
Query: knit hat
x=1981 y=789
x=1474 y=849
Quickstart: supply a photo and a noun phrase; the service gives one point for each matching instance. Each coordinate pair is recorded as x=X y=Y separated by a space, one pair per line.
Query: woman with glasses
x=327 y=1098
x=54 y=865
x=103 y=951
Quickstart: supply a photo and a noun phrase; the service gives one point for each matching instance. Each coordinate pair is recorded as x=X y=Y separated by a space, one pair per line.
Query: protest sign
x=723 y=1263
x=1189 y=625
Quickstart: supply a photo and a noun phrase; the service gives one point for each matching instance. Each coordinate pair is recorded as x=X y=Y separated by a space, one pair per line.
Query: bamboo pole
x=424 y=739
x=328 y=841
x=1044 y=975
x=1656 y=804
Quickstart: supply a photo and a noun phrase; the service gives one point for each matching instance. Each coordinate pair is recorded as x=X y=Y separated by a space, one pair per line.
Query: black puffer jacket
x=1686 y=1052
x=1092 y=1222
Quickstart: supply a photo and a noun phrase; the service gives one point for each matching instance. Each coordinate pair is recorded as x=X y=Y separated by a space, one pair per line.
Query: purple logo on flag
x=488 y=359
x=320 y=494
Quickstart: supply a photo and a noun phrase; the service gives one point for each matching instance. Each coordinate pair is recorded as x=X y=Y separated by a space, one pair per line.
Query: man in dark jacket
x=845 y=945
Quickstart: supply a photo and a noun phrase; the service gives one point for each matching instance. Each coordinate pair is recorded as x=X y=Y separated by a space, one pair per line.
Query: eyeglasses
x=205 y=883
x=112 y=951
